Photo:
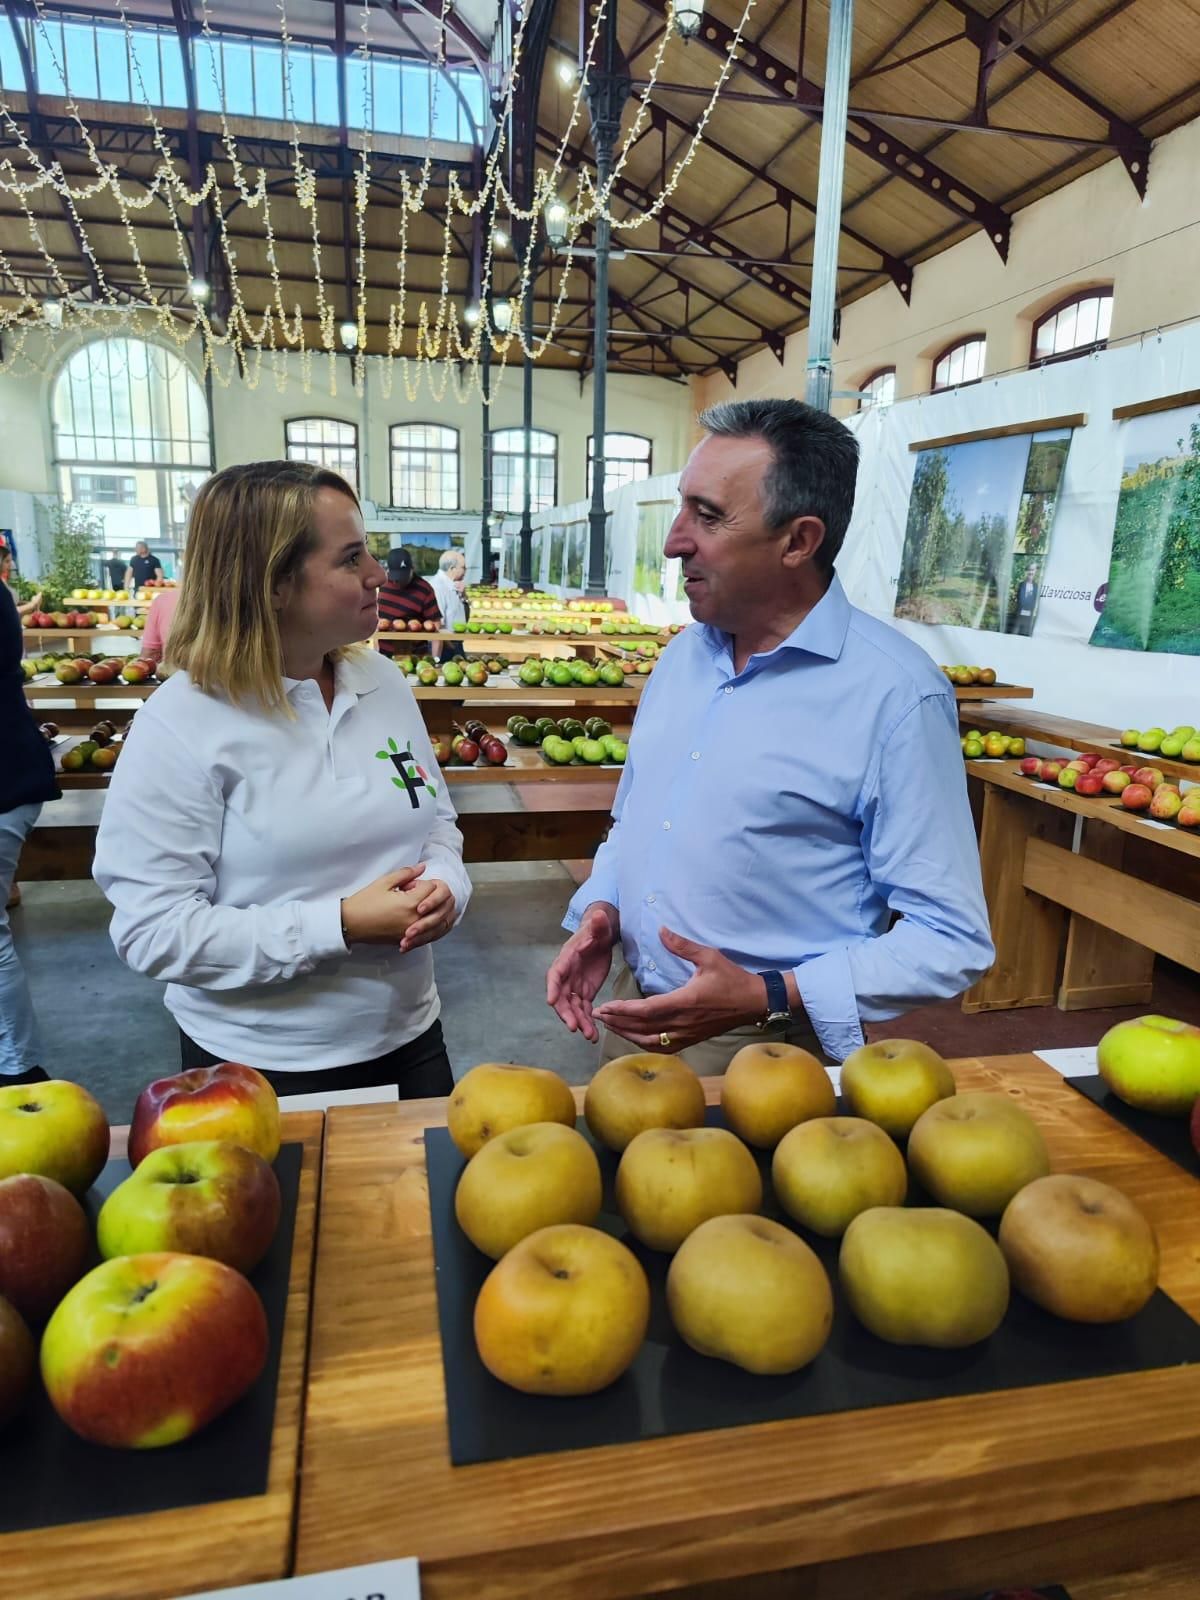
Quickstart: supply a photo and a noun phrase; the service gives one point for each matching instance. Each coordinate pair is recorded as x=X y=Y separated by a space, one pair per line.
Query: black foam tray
x=1170 y=1136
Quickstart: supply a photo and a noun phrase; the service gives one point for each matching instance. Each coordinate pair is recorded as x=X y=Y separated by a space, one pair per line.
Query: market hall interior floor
x=105 y=1027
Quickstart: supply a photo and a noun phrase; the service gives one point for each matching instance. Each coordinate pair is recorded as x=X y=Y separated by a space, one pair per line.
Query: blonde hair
x=250 y=528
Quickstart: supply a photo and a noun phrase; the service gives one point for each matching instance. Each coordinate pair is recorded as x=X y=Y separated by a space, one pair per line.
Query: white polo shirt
x=230 y=835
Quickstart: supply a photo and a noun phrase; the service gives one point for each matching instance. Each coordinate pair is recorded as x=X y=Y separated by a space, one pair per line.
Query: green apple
x=559 y=673
x=1172 y=746
x=460 y=627
x=54 y=1128
x=893 y=1081
x=617 y=751
x=209 y=1198
x=148 y=1349
x=1152 y=1063
x=531 y=673
x=1191 y=750
x=592 y=750
x=973 y=1152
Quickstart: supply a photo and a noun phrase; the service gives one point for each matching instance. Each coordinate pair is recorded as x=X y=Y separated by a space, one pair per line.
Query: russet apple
x=528 y=1178
x=1079 y=1249
x=893 y=1081
x=148 y=1349
x=974 y=1152
x=228 y=1101
x=920 y=1275
x=768 y=1088
x=826 y=1171
x=670 y=1180
x=496 y=1096
x=18 y=1360
x=749 y=1291
x=1152 y=1063
x=45 y=1240
x=54 y=1128
x=208 y=1198
x=636 y=1092
x=564 y=1312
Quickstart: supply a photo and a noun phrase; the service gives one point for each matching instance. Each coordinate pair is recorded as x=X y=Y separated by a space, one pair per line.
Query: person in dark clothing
x=142 y=566
x=116 y=571
x=405 y=598
x=26 y=782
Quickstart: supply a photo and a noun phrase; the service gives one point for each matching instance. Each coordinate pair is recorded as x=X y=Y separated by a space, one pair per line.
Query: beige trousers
x=710 y=1057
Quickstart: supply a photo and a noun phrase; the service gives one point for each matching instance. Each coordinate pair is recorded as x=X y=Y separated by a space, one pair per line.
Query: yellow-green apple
x=1079 y=1248
x=228 y=1101
x=208 y=1198
x=44 y=1243
x=747 y=1290
x=826 y=1171
x=769 y=1088
x=893 y=1081
x=496 y=1096
x=670 y=1180
x=921 y=1275
x=18 y=1360
x=528 y=1178
x=54 y=1128
x=1152 y=1063
x=564 y=1312
x=1115 y=782
x=146 y=1350
x=636 y=1092
x=974 y=1152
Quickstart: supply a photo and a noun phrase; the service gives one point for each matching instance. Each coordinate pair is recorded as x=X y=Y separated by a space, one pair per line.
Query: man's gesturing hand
x=581 y=967
x=718 y=996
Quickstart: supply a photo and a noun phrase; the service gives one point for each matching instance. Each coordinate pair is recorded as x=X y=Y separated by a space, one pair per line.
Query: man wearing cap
x=405 y=597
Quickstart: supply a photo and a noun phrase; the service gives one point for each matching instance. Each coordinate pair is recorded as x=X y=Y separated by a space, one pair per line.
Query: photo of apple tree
x=558 y=539
x=980 y=520
x=576 y=542
x=654 y=519
x=536 y=541
x=1153 y=598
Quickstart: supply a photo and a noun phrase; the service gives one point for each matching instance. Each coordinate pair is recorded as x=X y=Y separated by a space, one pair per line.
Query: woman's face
x=332 y=600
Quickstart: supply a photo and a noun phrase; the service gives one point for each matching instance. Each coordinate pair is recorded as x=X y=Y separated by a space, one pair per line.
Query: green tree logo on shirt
x=412 y=776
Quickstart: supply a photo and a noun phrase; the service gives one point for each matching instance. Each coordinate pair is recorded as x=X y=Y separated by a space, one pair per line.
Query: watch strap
x=778 y=1008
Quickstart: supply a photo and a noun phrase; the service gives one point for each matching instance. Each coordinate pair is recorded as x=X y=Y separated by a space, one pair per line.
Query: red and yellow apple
x=148 y=1349
x=208 y=1198
x=892 y=1081
x=749 y=1291
x=826 y=1171
x=228 y=1101
x=670 y=1180
x=636 y=1092
x=498 y=1095
x=18 y=1360
x=564 y=1312
x=975 y=1151
x=54 y=1128
x=526 y=1179
x=45 y=1240
x=770 y=1087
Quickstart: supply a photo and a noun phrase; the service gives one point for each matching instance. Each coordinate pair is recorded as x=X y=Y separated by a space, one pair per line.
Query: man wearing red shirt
x=404 y=598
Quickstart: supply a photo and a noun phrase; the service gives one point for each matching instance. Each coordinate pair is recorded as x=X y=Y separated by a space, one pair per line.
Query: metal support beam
x=819 y=382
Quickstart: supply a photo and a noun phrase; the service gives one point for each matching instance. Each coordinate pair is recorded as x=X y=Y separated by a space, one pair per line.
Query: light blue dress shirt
x=783 y=814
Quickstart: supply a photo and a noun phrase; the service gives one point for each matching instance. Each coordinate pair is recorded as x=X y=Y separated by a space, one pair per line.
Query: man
x=142 y=567
x=117 y=571
x=448 y=583
x=404 y=598
x=794 y=782
x=1027 y=598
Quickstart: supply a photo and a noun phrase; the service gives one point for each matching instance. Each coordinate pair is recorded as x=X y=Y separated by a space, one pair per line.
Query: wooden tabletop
x=1058 y=1483
x=197 y=1547
x=1105 y=808
x=992 y=691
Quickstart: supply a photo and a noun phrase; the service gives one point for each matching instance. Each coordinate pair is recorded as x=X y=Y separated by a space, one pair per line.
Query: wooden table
x=1065 y=733
x=992 y=691
x=1070 y=1483
x=196 y=1547
x=1093 y=904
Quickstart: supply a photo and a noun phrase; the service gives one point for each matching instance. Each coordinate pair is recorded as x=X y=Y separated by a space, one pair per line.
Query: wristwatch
x=778 y=1009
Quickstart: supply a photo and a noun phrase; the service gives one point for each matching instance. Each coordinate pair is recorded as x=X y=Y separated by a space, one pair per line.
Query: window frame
x=445 y=427
x=880 y=372
x=339 y=422
x=1096 y=292
x=957 y=344
x=619 y=433
x=537 y=455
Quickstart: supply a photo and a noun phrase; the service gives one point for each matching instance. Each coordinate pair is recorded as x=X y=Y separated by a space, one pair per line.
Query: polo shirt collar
x=352 y=675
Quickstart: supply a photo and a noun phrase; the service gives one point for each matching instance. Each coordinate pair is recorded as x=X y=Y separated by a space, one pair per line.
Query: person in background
x=405 y=597
x=26 y=782
x=1027 y=599
x=448 y=583
x=297 y=849
x=142 y=567
x=764 y=879
x=158 y=624
x=117 y=570
x=8 y=577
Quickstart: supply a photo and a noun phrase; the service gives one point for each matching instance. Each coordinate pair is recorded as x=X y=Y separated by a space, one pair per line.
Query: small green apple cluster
x=534 y=672
x=1181 y=744
x=570 y=740
x=994 y=744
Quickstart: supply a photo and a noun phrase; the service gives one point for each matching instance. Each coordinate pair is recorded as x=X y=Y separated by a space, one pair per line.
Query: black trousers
x=420 y=1069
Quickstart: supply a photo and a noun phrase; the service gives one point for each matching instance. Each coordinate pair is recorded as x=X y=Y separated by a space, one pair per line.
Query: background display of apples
x=640 y=1091
x=1152 y=1063
x=1182 y=743
x=228 y=1101
x=991 y=746
x=56 y=1129
x=148 y=1349
x=45 y=1241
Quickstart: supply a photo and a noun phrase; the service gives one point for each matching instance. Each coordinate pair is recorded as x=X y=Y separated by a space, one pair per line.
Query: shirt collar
x=351 y=673
x=821 y=633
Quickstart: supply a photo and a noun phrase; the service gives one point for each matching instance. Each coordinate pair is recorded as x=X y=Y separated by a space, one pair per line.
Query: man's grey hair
x=451 y=558
x=815 y=466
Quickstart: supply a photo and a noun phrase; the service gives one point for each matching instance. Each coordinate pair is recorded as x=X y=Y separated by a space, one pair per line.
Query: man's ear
x=805 y=537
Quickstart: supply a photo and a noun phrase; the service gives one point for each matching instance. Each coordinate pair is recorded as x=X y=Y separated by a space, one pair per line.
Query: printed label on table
x=381 y=1580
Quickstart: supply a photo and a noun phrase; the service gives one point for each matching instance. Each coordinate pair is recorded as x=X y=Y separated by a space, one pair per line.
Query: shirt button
x=650 y=967
x=728 y=688
x=695 y=755
x=667 y=827
x=649 y=899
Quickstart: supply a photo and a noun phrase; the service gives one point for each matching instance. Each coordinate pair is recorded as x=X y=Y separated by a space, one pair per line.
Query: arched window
x=324 y=442
x=879 y=389
x=424 y=467
x=961 y=363
x=507 y=447
x=627 y=458
x=1074 y=327
x=131 y=436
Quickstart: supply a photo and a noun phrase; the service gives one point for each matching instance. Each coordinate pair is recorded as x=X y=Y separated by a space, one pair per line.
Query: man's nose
x=679 y=542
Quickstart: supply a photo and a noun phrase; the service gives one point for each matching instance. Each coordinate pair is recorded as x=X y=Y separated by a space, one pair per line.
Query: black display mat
x=51 y=1477
x=1170 y=1136
x=670 y=1389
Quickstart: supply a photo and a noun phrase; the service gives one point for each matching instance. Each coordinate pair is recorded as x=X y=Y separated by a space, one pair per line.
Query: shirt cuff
x=321 y=930
x=827 y=990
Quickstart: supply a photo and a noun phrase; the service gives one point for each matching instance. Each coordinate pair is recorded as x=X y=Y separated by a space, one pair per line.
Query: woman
x=277 y=842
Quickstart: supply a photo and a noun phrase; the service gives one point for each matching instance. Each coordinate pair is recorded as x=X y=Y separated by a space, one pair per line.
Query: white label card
x=381 y=1580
